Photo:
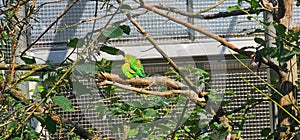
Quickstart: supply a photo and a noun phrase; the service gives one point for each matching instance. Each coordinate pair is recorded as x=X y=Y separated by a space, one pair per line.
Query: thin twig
x=50 y=26
x=211 y=7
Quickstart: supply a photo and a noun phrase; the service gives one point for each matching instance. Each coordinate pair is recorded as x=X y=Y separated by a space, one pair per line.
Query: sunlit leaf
x=113 y=32
x=64 y=103
x=232 y=8
x=132 y=132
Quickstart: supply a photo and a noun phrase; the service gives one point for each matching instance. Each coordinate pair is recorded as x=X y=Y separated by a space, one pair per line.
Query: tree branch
x=211 y=7
x=170 y=83
x=188 y=93
x=208 y=16
x=170 y=61
x=209 y=34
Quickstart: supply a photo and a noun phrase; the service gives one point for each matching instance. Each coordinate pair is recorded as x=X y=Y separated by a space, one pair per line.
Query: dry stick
x=49 y=27
x=170 y=61
x=209 y=34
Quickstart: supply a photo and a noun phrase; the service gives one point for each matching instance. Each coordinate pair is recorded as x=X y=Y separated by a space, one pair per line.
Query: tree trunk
x=288 y=80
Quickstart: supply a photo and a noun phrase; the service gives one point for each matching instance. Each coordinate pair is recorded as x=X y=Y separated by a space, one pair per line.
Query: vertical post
x=191 y=32
x=268 y=17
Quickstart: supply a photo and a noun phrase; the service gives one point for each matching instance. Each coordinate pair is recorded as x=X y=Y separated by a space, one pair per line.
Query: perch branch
x=158 y=48
x=170 y=83
x=188 y=93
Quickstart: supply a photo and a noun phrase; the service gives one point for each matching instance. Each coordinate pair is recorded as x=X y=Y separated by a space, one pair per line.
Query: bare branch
x=211 y=7
x=49 y=27
x=170 y=83
x=209 y=34
x=208 y=16
x=188 y=93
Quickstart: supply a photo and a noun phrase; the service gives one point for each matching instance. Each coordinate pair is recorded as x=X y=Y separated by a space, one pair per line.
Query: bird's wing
x=127 y=71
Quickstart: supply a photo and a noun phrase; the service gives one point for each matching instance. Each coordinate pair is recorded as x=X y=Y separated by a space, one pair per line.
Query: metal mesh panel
x=156 y=25
x=223 y=26
x=159 y=27
x=260 y=114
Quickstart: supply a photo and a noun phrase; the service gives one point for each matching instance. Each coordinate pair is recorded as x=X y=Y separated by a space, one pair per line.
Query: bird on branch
x=132 y=66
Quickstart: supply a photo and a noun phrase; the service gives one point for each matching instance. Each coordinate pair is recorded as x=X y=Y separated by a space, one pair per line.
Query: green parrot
x=132 y=67
x=127 y=71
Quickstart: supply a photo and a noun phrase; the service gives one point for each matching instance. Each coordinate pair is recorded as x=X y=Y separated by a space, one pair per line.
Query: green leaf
x=86 y=68
x=265 y=132
x=109 y=50
x=281 y=29
x=40 y=88
x=81 y=89
x=50 y=125
x=260 y=41
x=64 y=103
x=254 y=4
x=28 y=60
x=132 y=132
x=32 y=79
x=126 y=29
x=232 y=8
x=75 y=43
x=113 y=32
x=151 y=112
x=287 y=57
x=16 y=138
x=125 y=8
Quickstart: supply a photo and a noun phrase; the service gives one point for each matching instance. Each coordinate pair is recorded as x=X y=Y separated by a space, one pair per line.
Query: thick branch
x=296 y=28
x=170 y=83
x=188 y=93
x=208 y=16
x=209 y=34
